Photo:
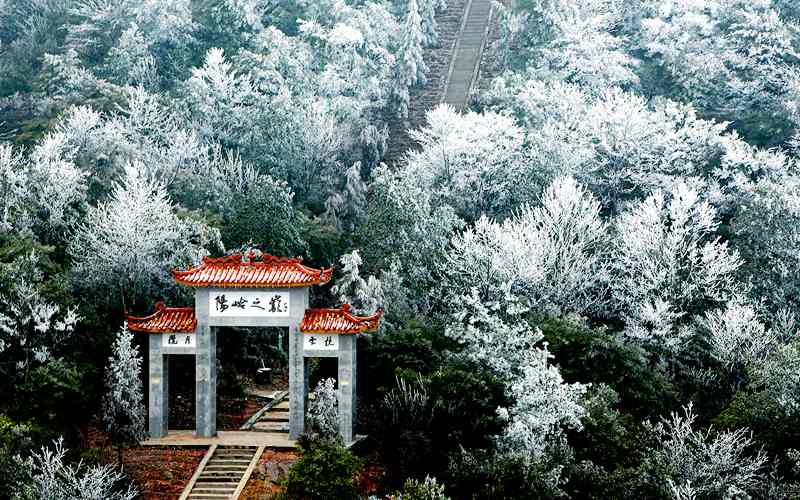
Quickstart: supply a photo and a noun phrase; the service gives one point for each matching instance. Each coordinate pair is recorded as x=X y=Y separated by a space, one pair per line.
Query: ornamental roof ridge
x=164 y=320
x=339 y=320
x=269 y=271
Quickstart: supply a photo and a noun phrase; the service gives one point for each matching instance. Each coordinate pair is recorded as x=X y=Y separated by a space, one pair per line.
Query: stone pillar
x=158 y=388
x=205 y=370
x=298 y=384
x=347 y=387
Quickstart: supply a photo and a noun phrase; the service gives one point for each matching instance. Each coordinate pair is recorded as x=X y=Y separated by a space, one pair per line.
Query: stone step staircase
x=223 y=473
x=467 y=54
x=275 y=419
x=438 y=60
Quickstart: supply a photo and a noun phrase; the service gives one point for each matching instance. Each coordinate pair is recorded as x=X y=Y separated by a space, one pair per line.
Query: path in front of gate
x=268 y=427
x=276 y=440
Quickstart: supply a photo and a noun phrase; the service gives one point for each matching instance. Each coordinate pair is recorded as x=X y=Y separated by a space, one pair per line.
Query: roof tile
x=165 y=320
x=270 y=272
x=339 y=321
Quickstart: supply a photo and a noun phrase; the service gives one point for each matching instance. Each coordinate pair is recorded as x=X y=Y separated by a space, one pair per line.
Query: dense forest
x=590 y=275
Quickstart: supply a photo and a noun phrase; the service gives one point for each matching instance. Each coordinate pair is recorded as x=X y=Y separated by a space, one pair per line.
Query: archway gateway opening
x=263 y=291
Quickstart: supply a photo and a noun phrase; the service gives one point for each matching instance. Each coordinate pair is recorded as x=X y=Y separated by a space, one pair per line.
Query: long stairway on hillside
x=453 y=65
x=223 y=473
x=467 y=54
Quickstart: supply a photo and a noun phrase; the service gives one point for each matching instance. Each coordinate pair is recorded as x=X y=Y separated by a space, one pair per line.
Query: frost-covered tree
x=346 y=208
x=427 y=11
x=617 y=143
x=410 y=69
x=127 y=243
x=57 y=184
x=51 y=477
x=474 y=162
x=736 y=334
x=669 y=263
x=561 y=40
x=406 y=233
x=123 y=403
x=409 y=55
x=766 y=228
x=733 y=60
x=12 y=190
x=496 y=335
x=31 y=327
x=550 y=255
x=711 y=464
x=221 y=102
x=364 y=295
x=778 y=376
x=130 y=61
x=323 y=410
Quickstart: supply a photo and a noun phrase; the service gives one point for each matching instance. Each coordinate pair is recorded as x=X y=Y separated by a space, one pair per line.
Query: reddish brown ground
x=236 y=412
x=370 y=478
x=266 y=477
x=161 y=473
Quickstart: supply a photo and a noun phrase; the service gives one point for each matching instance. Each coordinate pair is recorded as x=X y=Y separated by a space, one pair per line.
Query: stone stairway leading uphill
x=458 y=27
x=467 y=54
x=223 y=473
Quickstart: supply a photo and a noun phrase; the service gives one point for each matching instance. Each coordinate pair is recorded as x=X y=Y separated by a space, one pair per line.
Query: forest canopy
x=590 y=274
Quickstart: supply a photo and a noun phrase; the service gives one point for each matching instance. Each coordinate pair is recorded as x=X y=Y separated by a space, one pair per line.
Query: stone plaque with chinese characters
x=178 y=340
x=320 y=342
x=235 y=303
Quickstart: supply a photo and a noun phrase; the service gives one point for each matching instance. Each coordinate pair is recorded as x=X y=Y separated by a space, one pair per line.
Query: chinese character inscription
x=320 y=341
x=248 y=303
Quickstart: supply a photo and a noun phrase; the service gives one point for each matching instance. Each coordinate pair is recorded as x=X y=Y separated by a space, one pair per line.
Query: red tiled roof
x=339 y=321
x=165 y=320
x=269 y=272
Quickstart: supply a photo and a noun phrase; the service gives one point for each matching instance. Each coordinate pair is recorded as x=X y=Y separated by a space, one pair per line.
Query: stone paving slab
x=273 y=440
x=272 y=426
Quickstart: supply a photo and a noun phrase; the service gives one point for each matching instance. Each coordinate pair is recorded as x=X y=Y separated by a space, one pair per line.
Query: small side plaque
x=178 y=339
x=320 y=342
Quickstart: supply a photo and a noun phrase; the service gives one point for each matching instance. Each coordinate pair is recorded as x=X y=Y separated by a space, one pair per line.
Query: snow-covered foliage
x=767 y=229
x=562 y=40
x=473 y=162
x=779 y=376
x=364 y=295
x=408 y=234
x=737 y=335
x=323 y=410
x=53 y=478
x=410 y=68
x=496 y=335
x=616 y=143
x=31 y=327
x=735 y=60
x=551 y=255
x=12 y=190
x=706 y=463
x=45 y=190
x=669 y=260
x=126 y=242
x=123 y=404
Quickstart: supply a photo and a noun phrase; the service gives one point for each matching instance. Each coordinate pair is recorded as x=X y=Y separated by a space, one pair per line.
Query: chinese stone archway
x=272 y=291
